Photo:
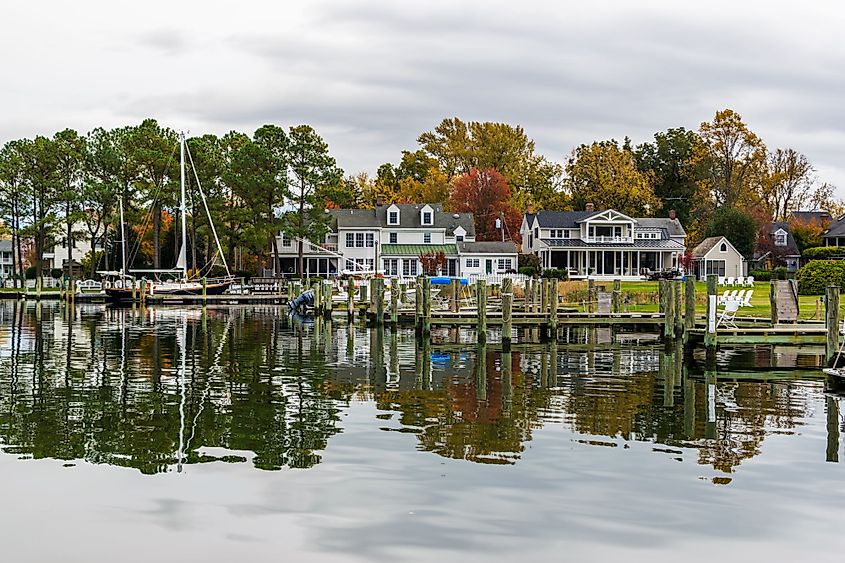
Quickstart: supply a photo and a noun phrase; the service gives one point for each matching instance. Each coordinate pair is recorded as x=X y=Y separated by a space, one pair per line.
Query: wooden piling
x=454 y=296
x=507 y=313
x=678 y=309
x=553 y=306
x=350 y=299
x=426 y=318
x=394 y=301
x=143 y=292
x=592 y=296
x=710 y=332
x=831 y=306
x=377 y=286
x=529 y=294
x=328 y=304
x=669 y=312
x=204 y=290
x=418 y=305
x=616 y=298
x=481 y=298
x=689 y=299
x=544 y=297
x=773 y=301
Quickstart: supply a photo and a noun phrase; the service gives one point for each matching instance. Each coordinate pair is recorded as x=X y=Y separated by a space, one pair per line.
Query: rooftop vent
x=456 y=216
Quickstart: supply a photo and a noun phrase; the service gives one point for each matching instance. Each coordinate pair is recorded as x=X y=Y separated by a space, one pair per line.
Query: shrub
x=528 y=261
x=30 y=273
x=528 y=270
x=558 y=273
x=761 y=275
x=818 y=274
x=56 y=273
x=779 y=273
x=822 y=252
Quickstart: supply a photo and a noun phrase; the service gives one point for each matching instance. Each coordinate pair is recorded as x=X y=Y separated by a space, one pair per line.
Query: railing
x=608 y=238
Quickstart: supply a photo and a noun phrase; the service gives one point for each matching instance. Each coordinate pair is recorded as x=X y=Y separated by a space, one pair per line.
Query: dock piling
x=592 y=296
x=773 y=301
x=394 y=301
x=678 y=309
x=377 y=286
x=616 y=298
x=481 y=291
x=327 y=299
x=507 y=313
x=553 y=305
x=689 y=299
x=350 y=299
x=426 y=317
x=710 y=333
x=831 y=306
x=454 y=296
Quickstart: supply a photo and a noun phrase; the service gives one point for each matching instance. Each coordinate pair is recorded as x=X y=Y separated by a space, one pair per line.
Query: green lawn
x=643 y=297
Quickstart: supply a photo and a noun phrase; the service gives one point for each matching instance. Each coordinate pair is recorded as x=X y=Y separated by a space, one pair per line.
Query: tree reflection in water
x=103 y=385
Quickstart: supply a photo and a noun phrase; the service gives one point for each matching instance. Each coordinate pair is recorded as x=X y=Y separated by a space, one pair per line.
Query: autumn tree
x=729 y=159
x=459 y=146
x=667 y=160
x=433 y=188
x=605 y=174
x=485 y=194
x=788 y=183
x=808 y=233
x=739 y=228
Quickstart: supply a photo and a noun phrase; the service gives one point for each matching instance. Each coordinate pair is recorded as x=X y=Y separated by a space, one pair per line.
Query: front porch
x=607 y=264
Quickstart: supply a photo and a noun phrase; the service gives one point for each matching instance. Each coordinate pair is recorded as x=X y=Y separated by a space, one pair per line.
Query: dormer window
x=723 y=247
x=427 y=215
x=393 y=215
x=780 y=237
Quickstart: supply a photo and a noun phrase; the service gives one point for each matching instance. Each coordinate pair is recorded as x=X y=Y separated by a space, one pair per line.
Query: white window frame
x=392 y=217
x=359 y=240
x=393 y=237
x=426 y=238
x=371 y=240
x=350 y=240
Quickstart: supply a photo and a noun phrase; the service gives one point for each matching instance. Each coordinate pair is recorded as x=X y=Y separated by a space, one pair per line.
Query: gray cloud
x=372 y=76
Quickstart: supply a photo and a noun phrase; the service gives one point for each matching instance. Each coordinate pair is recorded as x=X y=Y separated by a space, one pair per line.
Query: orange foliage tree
x=486 y=194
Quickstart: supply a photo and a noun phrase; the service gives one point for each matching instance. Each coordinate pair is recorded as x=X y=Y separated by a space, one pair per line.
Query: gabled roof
x=791 y=248
x=409 y=218
x=487 y=247
x=708 y=244
x=837 y=228
x=672 y=226
x=561 y=219
x=807 y=216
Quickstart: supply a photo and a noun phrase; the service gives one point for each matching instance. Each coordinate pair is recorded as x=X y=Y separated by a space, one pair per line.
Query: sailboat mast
x=122 y=236
x=184 y=250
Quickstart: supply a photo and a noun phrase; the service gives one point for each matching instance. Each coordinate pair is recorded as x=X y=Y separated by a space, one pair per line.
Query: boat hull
x=125 y=294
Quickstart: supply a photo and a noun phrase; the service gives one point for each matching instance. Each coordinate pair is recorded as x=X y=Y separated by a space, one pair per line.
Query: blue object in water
x=305 y=298
x=445 y=280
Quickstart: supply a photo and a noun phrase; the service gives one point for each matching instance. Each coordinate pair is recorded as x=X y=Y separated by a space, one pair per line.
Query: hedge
x=818 y=274
x=527 y=270
x=822 y=252
x=558 y=273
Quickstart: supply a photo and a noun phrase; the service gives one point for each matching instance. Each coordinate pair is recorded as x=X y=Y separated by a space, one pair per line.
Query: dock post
x=403 y=296
x=481 y=298
x=710 y=331
x=553 y=304
x=394 y=301
x=507 y=313
x=327 y=299
x=133 y=290
x=454 y=295
x=350 y=299
x=689 y=299
x=365 y=286
x=418 y=305
x=773 y=301
x=378 y=297
x=544 y=297
x=529 y=294
x=426 y=317
x=678 y=309
x=204 y=290
x=831 y=316
x=616 y=299
x=592 y=296
x=143 y=292
x=832 y=408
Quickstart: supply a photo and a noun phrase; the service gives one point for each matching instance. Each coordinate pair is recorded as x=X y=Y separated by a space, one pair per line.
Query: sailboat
x=123 y=288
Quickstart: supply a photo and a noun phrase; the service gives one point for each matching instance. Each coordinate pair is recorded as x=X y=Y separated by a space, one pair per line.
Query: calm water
x=173 y=434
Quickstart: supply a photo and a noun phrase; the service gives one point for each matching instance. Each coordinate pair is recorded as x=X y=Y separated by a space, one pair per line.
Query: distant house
x=835 y=233
x=821 y=217
x=777 y=247
x=603 y=244
x=391 y=238
x=6 y=254
x=717 y=256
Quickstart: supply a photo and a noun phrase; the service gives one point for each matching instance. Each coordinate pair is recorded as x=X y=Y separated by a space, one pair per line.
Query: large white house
x=603 y=244
x=391 y=238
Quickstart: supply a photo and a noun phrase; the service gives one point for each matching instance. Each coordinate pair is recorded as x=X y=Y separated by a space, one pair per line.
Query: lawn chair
x=728 y=315
x=740 y=296
x=747 y=301
x=732 y=296
x=720 y=280
x=740 y=281
x=724 y=297
x=749 y=281
x=730 y=281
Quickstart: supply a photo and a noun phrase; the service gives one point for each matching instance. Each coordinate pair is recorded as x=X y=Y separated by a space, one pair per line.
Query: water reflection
x=160 y=389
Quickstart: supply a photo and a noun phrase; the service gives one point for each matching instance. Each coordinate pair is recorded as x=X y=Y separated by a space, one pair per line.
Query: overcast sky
x=370 y=76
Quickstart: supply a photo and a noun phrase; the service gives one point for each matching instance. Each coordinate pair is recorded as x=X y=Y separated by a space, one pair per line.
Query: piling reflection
x=157 y=389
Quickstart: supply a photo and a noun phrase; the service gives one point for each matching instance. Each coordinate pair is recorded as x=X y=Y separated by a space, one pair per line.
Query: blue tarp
x=445 y=280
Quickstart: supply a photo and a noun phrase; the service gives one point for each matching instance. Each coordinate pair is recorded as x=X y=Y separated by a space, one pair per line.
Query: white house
x=603 y=244
x=6 y=259
x=717 y=256
x=391 y=238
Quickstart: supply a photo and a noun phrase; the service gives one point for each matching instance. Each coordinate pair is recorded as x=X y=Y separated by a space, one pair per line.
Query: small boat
x=835 y=372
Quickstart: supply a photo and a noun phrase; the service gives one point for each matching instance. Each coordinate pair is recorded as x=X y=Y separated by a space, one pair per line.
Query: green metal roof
x=417 y=249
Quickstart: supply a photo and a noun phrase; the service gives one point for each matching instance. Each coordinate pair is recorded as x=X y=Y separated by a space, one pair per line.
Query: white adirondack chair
x=740 y=296
x=724 y=297
x=720 y=280
x=730 y=281
x=728 y=314
x=749 y=281
x=746 y=302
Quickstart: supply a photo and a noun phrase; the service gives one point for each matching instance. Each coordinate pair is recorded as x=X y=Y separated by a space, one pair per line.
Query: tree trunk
x=21 y=271
x=300 y=225
x=94 y=259
x=69 y=240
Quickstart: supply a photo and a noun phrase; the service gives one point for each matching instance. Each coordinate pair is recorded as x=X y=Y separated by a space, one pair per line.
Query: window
x=536 y=232
x=371 y=263
x=780 y=238
x=394 y=237
x=350 y=240
x=566 y=233
x=359 y=240
x=473 y=262
x=391 y=266
x=426 y=218
x=371 y=241
x=504 y=263
x=715 y=267
x=723 y=247
x=393 y=218
x=459 y=238
x=409 y=267
x=286 y=241
x=427 y=238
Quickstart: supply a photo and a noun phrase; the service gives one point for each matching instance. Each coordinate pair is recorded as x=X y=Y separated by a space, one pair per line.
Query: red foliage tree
x=486 y=194
x=432 y=263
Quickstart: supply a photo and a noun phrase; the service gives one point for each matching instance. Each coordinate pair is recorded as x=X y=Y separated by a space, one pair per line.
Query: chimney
x=590 y=207
x=672 y=214
x=379 y=201
x=530 y=209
